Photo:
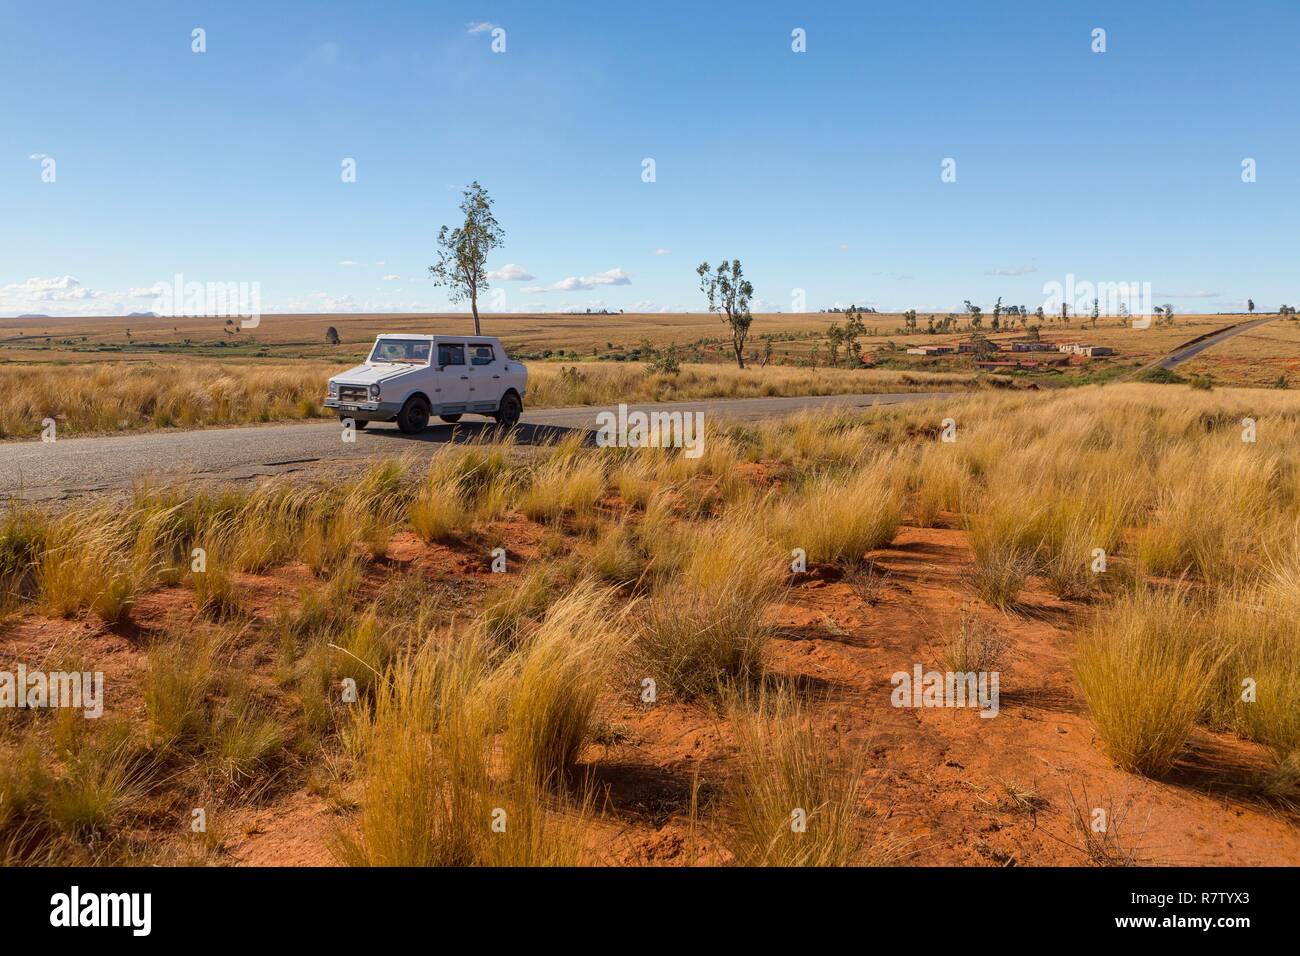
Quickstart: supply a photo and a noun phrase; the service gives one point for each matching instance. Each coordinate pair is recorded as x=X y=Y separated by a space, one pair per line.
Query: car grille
x=352 y=393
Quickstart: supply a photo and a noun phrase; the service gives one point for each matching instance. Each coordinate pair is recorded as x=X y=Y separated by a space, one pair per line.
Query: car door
x=484 y=377
x=453 y=377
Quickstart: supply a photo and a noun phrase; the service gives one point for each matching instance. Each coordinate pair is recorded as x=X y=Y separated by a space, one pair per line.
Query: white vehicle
x=409 y=378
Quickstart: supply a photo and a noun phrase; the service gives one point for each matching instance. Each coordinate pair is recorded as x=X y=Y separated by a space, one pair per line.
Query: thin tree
x=463 y=251
x=729 y=292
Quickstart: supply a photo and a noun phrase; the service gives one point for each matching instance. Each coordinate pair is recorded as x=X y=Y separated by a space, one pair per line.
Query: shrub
x=1146 y=678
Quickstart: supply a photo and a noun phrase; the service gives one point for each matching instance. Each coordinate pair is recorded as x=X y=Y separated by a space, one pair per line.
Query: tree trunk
x=473 y=304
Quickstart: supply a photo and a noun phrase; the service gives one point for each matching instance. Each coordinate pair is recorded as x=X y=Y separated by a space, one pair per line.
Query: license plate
x=349 y=408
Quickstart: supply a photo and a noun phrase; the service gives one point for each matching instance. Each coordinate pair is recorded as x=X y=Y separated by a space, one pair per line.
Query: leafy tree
x=463 y=251
x=729 y=292
x=331 y=336
x=981 y=344
x=662 y=361
x=834 y=338
x=1250 y=305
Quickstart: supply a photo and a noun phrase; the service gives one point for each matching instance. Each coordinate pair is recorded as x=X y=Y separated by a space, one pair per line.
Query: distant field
x=1258 y=358
x=88 y=398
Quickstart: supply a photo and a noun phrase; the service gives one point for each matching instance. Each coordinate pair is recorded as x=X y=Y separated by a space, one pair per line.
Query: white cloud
x=510 y=272
x=347 y=262
x=615 y=276
x=1197 y=294
x=662 y=252
x=649 y=305
x=61 y=289
x=325 y=302
x=65 y=295
x=1016 y=271
x=392 y=278
x=480 y=26
x=39 y=156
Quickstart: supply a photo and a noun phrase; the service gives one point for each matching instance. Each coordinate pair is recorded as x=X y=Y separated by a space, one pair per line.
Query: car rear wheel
x=414 y=416
x=508 y=411
x=450 y=419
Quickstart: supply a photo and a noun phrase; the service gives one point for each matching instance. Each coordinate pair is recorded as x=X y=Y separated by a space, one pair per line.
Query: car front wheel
x=414 y=416
x=509 y=410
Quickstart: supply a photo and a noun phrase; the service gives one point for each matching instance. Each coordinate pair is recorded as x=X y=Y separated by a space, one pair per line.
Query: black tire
x=414 y=416
x=360 y=423
x=450 y=419
x=509 y=410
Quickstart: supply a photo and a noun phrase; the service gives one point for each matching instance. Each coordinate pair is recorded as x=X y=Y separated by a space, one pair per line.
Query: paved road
x=1191 y=351
x=71 y=467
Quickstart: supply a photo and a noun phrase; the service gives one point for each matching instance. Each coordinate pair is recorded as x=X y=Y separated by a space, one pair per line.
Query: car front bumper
x=365 y=411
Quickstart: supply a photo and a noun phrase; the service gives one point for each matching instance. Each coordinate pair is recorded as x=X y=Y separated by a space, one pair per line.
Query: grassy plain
x=650 y=680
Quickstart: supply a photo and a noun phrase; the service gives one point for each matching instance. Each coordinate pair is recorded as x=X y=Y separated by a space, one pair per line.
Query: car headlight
x=374 y=392
x=333 y=389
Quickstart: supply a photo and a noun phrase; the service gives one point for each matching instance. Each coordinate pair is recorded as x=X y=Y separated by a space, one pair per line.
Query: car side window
x=451 y=354
x=481 y=355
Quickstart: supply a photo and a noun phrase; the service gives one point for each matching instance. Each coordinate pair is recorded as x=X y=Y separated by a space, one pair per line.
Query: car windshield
x=402 y=351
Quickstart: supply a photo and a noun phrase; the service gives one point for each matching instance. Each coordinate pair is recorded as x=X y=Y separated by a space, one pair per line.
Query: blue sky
x=820 y=170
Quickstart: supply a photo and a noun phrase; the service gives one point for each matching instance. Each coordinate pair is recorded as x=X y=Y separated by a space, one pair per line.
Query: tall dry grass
x=704 y=627
x=429 y=792
x=97 y=398
x=1146 y=675
x=796 y=796
x=561 y=670
x=839 y=519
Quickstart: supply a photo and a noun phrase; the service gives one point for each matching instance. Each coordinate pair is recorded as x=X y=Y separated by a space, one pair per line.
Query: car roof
x=437 y=335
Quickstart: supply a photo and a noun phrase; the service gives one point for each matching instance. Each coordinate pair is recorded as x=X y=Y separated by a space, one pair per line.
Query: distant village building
x=1021 y=346
x=1046 y=361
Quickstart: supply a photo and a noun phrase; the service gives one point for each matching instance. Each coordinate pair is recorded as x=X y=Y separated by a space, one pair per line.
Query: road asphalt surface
x=1181 y=355
x=72 y=467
